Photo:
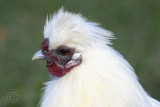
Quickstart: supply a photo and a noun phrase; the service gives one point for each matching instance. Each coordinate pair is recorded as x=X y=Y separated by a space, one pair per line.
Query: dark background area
x=135 y=23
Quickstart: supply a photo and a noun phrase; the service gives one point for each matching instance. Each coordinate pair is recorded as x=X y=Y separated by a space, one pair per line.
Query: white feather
x=103 y=79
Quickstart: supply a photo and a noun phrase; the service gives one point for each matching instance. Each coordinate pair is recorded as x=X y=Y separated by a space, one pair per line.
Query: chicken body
x=103 y=78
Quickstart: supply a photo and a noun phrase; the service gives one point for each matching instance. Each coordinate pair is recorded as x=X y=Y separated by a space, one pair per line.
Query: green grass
x=134 y=22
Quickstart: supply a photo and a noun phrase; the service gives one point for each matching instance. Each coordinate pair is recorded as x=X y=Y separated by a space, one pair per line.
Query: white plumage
x=103 y=79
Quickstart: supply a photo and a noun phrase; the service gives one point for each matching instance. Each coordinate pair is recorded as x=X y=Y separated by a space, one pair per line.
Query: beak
x=38 y=56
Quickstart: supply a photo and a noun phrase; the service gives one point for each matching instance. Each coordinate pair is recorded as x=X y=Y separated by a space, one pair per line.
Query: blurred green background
x=135 y=23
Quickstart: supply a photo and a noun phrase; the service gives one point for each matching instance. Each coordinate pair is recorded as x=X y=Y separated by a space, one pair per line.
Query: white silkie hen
x=89 y=72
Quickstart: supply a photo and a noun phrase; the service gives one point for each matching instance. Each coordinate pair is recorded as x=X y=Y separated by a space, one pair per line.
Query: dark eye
x=64 y=52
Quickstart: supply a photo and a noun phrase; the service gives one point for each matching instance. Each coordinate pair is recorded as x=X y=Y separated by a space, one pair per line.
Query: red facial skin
x=56 y=70
x=53 y=67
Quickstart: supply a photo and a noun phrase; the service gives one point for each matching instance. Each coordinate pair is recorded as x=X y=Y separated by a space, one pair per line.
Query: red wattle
x=56 y=70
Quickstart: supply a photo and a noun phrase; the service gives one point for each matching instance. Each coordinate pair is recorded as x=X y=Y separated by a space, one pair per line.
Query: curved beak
x=38 y=56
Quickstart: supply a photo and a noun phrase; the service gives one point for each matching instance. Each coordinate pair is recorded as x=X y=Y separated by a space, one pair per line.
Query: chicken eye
x=64 y=51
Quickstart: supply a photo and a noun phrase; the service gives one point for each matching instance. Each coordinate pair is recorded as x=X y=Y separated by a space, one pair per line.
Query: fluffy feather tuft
x=68 y=28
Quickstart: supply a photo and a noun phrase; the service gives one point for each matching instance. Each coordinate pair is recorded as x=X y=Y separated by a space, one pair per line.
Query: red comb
x=45 y=44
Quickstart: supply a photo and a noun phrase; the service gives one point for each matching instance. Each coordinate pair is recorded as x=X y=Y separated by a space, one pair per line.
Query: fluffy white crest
x=65 y=28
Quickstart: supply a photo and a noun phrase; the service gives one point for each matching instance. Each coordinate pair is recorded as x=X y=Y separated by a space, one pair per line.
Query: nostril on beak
x=38 y=56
